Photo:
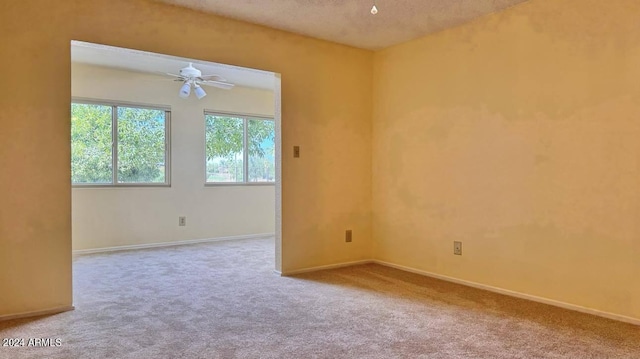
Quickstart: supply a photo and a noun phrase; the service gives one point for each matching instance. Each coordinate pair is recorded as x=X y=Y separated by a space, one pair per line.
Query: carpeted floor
x=223 y=300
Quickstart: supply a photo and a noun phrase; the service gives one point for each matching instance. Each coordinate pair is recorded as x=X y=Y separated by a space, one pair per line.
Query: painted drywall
x=516 y=134
x=108 y=217
x=326 y=110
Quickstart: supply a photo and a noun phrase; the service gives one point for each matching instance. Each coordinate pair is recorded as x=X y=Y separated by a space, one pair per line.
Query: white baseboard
x=36 y=313
x=169 y=244
x=511 y=293
x=325 y=267
x=467 y=283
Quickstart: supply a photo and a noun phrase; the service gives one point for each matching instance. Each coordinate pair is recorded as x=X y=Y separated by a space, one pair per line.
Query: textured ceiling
x=349 y=21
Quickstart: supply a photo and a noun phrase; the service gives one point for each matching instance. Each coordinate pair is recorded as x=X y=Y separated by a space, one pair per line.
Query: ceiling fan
x=192 y=77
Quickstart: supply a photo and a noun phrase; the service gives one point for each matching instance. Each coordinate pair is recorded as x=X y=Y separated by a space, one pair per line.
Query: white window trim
x=245 y=153
x=114 y=144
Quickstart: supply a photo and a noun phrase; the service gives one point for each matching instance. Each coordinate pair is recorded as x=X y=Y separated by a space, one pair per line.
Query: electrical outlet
x=182 y=221
x=457 y=248
x=296 y=151
x=348 y=236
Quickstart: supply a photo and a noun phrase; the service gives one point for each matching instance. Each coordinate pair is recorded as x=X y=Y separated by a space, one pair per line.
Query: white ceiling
x=148 y=62
x=349 y=21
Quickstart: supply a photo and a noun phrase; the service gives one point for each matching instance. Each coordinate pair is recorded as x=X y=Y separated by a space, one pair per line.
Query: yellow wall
x=326 y=109
x=518 y=134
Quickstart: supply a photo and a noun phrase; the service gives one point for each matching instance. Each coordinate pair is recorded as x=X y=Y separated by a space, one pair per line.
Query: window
x=119 y=145
x=239 y=149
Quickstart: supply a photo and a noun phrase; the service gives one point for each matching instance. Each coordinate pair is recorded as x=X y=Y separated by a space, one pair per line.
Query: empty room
x=445 y=179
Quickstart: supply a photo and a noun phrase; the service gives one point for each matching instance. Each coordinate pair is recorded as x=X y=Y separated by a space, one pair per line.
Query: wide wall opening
x=168 y=150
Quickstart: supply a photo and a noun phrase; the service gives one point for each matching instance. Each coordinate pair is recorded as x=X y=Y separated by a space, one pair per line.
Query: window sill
x=146 y=185
x=239 y=184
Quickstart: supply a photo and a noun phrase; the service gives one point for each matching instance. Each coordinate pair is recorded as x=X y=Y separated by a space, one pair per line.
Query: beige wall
x=326 y=109
x=517 y=134
x=108 y=217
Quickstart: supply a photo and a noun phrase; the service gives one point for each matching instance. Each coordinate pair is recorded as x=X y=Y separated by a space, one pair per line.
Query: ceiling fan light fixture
x=185 y=90
x=192 y=78
x=199 y=92
x=374 y=9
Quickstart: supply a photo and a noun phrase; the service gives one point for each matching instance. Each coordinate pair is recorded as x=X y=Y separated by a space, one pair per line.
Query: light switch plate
x=457 y=248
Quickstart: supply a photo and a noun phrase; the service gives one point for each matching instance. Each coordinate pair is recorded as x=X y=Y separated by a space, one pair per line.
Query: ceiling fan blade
x=170 y=74
x=213 y=78
x=218 y=84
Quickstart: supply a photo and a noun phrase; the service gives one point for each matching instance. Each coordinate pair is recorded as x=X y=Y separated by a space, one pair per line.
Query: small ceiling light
x=374 y=9
x=199 y=92
x=185 y=90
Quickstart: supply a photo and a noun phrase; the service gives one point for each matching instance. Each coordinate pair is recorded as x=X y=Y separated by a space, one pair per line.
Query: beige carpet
x=223 y=300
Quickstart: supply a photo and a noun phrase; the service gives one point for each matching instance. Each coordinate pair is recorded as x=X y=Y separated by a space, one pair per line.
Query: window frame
x=245 y=153
x=114 y=142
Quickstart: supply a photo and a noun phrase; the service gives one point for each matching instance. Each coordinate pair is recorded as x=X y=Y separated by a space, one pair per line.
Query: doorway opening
x=169 y=150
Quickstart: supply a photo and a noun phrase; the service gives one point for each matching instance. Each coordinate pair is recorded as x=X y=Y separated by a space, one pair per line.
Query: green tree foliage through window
x=261 y=137
x=140 y=142
x=228 y=137
x=225 y=144
x=91 y=160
